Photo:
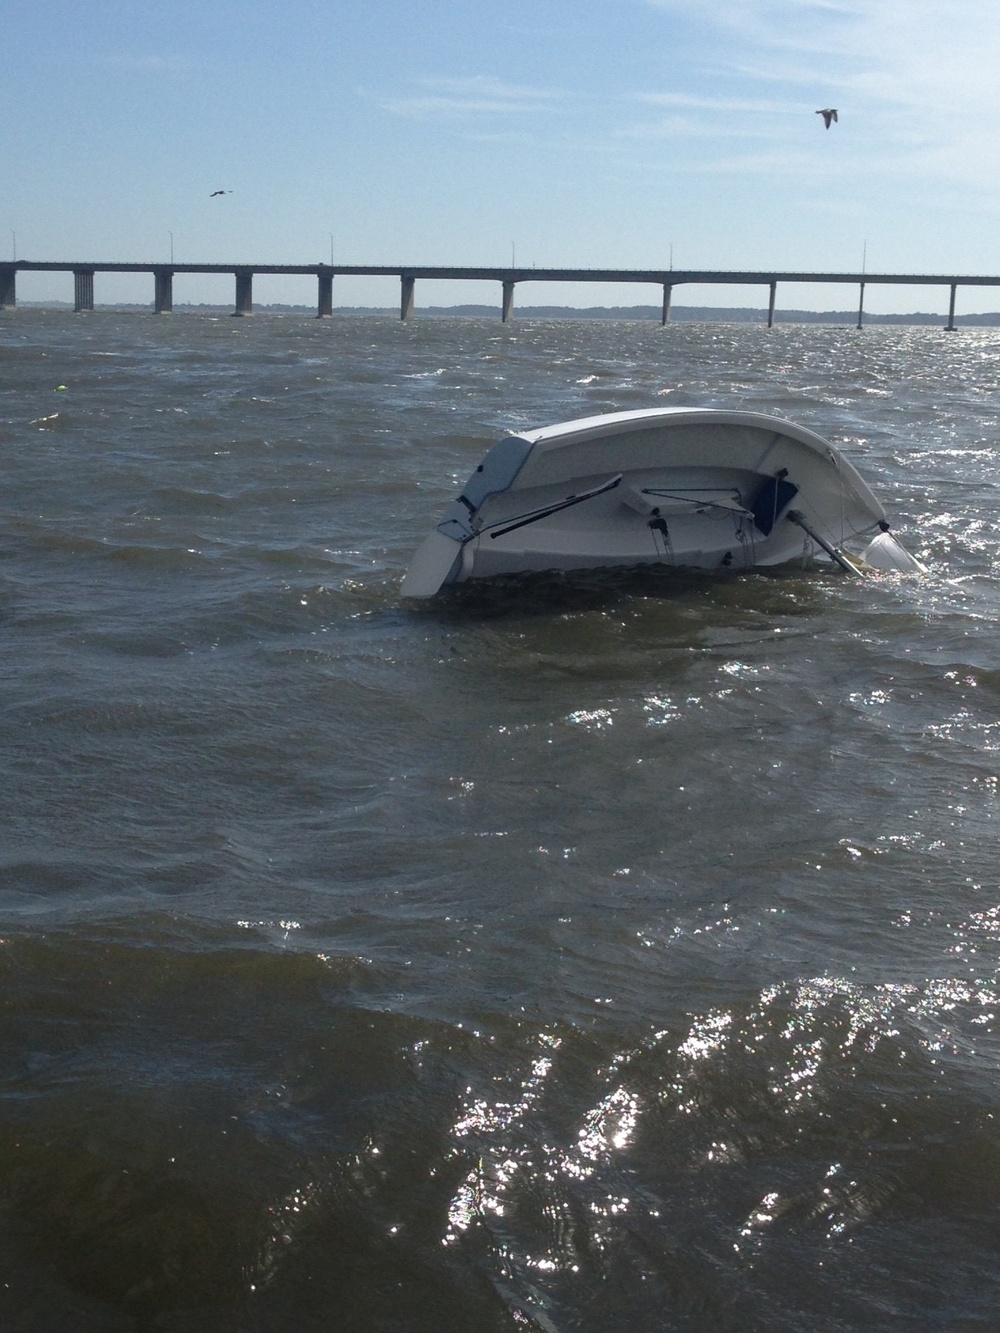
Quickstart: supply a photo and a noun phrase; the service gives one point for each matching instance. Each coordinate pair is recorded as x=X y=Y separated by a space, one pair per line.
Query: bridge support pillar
x=770 y=307
x=668 y=291
x=324 y=299
x=8 y=286
x=861 y=306
x=950 y=326
x=163 y=291
x=406 y=286
x=83 y=289
x=508 y=300
x=244 y=291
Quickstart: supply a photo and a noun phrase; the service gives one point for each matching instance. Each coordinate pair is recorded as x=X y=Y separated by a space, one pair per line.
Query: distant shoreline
x=638 y=314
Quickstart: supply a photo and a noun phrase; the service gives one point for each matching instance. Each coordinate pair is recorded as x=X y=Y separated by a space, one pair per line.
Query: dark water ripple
x=565 y=955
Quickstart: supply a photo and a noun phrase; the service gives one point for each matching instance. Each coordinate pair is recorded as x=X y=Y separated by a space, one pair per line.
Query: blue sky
x=590 y=133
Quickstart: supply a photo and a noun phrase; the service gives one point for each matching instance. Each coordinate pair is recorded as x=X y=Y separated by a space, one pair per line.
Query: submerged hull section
x=703 y=489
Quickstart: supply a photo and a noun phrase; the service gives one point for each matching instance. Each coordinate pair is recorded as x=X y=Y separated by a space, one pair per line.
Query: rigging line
x=748 y=541
x=835 y=459
x=732 y=508
x=659 y=524
x=780 y=476
x=535 y=515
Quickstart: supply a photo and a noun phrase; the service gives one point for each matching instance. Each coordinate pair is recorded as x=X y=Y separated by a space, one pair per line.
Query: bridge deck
x=163 y=274
x=673 y=277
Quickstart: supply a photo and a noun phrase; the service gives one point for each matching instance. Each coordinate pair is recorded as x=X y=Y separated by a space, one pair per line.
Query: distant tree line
x=678 y=314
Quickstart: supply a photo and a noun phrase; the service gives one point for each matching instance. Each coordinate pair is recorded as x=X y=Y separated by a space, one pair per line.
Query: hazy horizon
x=639 y=312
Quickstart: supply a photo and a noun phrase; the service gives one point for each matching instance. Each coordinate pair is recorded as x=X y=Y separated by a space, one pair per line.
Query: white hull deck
x=699 y=488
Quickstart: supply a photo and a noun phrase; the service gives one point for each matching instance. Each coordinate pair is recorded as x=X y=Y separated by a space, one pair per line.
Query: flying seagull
x=828 y=113
x=215 y=192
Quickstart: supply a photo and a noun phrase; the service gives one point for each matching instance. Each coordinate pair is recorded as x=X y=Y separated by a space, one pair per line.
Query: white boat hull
x=699 y=488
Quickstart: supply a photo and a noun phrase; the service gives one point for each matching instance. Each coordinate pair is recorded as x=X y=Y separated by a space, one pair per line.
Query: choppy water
x=585 y=957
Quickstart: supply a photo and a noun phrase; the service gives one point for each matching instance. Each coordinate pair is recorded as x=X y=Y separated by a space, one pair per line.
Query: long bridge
x=666 y=280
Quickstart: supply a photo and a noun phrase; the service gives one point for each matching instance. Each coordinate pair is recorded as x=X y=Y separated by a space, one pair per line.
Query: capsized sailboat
x=692 y=488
